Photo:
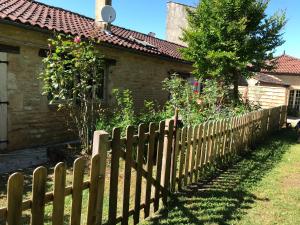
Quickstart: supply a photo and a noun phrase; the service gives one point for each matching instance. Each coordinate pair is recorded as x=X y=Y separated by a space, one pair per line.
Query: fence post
x=283 y=114
x=58 y=194
x=166 y=164
x=77 y=184
x=159 y=156
x=127 y=174
x=139 y=168
x=38 y=195
x=149 y=166
x=175 y=150
x=14 y=199
x=101 y=147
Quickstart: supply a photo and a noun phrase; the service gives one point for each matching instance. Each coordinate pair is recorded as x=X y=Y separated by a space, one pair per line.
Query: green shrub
x=183 y=98
x=194 y=107
x=152 y=113
x=212 y=103
x=122 y=114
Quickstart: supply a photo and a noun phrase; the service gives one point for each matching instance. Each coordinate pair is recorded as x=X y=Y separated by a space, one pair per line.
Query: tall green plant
x=212 y=103
x=124 y=112
x=226 y=37
x=72 y=78
x=183 y=97
x=120 y=115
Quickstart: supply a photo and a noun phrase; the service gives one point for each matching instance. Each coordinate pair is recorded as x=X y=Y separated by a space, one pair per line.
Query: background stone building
x=135 y=61
x=176 y=21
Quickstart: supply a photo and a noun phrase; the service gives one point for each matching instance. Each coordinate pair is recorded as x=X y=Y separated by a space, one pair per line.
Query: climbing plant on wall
x=72 y=78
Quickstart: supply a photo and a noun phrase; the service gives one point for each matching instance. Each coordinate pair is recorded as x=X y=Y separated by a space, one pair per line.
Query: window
x=101 y=92
x=294 y=99
x=297 y=99
x=291 y=98
x=198 y=87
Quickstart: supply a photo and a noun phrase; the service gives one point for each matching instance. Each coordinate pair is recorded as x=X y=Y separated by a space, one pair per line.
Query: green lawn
x=262 y=188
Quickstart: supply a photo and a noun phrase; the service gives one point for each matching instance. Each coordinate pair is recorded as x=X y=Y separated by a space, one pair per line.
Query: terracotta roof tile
x=37 y=14
x=286 y=64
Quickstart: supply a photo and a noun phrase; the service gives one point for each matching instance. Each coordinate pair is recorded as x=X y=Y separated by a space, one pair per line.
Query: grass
x=263 y=187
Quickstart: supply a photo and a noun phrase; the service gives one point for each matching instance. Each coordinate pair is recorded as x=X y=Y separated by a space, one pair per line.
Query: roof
x=269 y=79
x=36 y=14
x=286 y=64
x=179 y=3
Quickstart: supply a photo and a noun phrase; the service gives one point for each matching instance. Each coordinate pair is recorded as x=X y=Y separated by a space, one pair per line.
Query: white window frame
x=294 y=98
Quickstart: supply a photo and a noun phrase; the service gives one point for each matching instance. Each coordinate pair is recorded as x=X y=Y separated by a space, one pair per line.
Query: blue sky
x=150 y=16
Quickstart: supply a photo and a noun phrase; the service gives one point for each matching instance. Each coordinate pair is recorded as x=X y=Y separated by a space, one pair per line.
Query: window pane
x=196 y=85
x=297 y=101
x=291 y=98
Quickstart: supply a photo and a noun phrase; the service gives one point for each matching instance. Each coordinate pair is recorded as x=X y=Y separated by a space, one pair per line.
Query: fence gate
x=3 y=101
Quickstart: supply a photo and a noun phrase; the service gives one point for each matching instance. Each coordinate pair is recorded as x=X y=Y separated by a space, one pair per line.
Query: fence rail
x=164 y=160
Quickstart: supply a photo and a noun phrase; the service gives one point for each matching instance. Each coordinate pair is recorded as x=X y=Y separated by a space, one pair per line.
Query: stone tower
x=176 y=21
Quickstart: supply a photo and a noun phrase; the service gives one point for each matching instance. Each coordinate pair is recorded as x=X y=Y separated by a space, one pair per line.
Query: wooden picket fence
x=166 y=159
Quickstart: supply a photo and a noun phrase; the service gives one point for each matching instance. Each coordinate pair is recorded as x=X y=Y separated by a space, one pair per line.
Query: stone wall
x=176 y=21
x=33 y=122
x=143 y=75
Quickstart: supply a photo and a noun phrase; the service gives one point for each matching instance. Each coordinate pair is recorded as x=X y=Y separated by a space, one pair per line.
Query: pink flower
x=196 y=84
x=77 y=39
x=199 y=101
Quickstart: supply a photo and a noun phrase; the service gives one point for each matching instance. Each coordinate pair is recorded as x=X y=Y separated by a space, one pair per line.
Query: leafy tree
x=226 y=37
x=72 y=78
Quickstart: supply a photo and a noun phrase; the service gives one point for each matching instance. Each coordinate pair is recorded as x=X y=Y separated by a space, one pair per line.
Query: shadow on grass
x=225 y=197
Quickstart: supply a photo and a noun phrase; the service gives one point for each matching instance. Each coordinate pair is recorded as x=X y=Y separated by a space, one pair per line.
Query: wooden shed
x=280 y=86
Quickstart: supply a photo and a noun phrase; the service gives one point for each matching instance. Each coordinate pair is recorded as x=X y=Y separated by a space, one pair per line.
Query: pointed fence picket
x=164 y=160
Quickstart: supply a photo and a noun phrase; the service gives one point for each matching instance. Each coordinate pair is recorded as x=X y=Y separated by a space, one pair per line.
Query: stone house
x=135 y=61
